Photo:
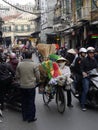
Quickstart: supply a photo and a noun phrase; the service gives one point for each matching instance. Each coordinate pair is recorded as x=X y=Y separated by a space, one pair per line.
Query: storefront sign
x=94 y=36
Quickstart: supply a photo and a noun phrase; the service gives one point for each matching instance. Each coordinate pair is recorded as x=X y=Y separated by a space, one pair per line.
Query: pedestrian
x=28 y=74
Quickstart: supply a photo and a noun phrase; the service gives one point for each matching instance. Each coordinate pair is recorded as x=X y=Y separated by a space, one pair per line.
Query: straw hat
x=71 y=51
x=62 y=59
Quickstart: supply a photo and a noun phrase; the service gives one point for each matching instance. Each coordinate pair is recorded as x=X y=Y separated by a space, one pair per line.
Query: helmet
x=12 y=55
x=90 y=49
x=82 y=50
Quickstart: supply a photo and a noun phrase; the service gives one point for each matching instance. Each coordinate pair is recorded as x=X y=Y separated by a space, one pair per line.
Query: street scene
x=48 y=64
x=49 y=118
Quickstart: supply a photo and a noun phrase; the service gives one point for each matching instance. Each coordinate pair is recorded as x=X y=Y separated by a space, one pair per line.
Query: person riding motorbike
x=87 y=64
x=77 y=70
x=96 y=54
x=6 y=75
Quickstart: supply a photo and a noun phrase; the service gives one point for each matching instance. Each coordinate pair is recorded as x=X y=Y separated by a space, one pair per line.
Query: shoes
x=70 y=105
x=32 y=120
x=84 y=109
x=1 y=113
x=76 y=95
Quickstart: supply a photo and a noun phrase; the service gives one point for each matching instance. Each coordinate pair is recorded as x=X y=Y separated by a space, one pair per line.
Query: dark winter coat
x=88 y=64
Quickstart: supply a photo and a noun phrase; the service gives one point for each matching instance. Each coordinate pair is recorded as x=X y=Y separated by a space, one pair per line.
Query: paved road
x=50 y=119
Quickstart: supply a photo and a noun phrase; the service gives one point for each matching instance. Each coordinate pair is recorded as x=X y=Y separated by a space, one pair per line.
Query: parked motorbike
x=92 y=96
x=13 y=96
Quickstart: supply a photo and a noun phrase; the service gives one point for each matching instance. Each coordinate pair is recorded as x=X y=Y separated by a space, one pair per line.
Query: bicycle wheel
x=60 y=100
x=46 y=95
x=46 y=98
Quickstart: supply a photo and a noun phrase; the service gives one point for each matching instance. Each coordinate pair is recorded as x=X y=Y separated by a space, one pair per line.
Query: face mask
x=61 y=65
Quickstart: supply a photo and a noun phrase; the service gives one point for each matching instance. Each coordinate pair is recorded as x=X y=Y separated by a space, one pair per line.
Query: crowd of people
x=18 y=64
x=21 y=66
x=80 y=64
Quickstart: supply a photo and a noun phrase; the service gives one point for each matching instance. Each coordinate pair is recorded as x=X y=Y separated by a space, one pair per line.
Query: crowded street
x=49 y=65
x=48 y=118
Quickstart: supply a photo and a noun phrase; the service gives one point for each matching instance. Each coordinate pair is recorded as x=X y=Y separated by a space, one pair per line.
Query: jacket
x=77 y=66
x=28 y=74
x=88 y=64
x=6 y=72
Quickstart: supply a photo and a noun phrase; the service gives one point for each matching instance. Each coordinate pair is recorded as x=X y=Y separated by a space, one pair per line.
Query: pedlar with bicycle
x=54 y=82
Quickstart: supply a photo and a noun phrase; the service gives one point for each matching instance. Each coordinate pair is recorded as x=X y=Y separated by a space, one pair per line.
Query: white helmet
x=82 y=50
x=90 y=49
x=12 y=55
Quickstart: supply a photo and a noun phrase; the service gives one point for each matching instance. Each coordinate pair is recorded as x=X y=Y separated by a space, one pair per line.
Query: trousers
x=28 y=103
x=85 y=89
x=69 y=97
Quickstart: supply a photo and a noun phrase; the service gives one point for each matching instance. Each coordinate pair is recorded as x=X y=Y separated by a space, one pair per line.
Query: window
x=94 y=4
x=4 y=29
x=16 y=28
x=28 y=27
x=22 y=27
x=67 y=6
x=79 y=4
x=9 y=28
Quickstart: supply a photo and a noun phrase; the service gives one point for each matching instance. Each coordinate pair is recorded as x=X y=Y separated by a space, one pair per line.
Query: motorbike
x=92 y=95
x=13 y=96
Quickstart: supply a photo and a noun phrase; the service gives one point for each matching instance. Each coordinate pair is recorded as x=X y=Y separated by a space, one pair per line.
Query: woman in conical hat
x=65 y=71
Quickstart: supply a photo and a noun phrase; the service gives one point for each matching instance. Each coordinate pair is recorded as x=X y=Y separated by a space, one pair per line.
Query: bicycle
x=51 y=91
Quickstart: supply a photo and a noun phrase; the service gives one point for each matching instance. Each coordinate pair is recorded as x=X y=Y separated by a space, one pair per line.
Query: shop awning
x=35 y=34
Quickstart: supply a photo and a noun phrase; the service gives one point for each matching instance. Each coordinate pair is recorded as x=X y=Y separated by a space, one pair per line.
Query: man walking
x=28 y=73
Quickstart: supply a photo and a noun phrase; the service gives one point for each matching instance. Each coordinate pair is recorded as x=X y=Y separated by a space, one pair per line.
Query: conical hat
x=72 y=51
x=62 y=59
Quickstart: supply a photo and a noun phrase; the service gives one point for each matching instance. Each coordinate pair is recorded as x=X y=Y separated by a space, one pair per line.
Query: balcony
x=56 y=20
x=94 y=15
x=83 y=13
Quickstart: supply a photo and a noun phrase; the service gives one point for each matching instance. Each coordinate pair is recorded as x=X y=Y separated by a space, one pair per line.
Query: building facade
x=18 y=28
x=7 y=10
x=76 y=22
x=1 y=23
x=47 y=7
x=37 y=22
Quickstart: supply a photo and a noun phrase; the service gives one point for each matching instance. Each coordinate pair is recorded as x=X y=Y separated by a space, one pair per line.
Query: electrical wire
x=26 y=10
x=19 y=8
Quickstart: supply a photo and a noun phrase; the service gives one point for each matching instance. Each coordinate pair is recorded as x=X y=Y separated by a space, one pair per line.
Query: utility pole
x=1 y=22
x=74 y=10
